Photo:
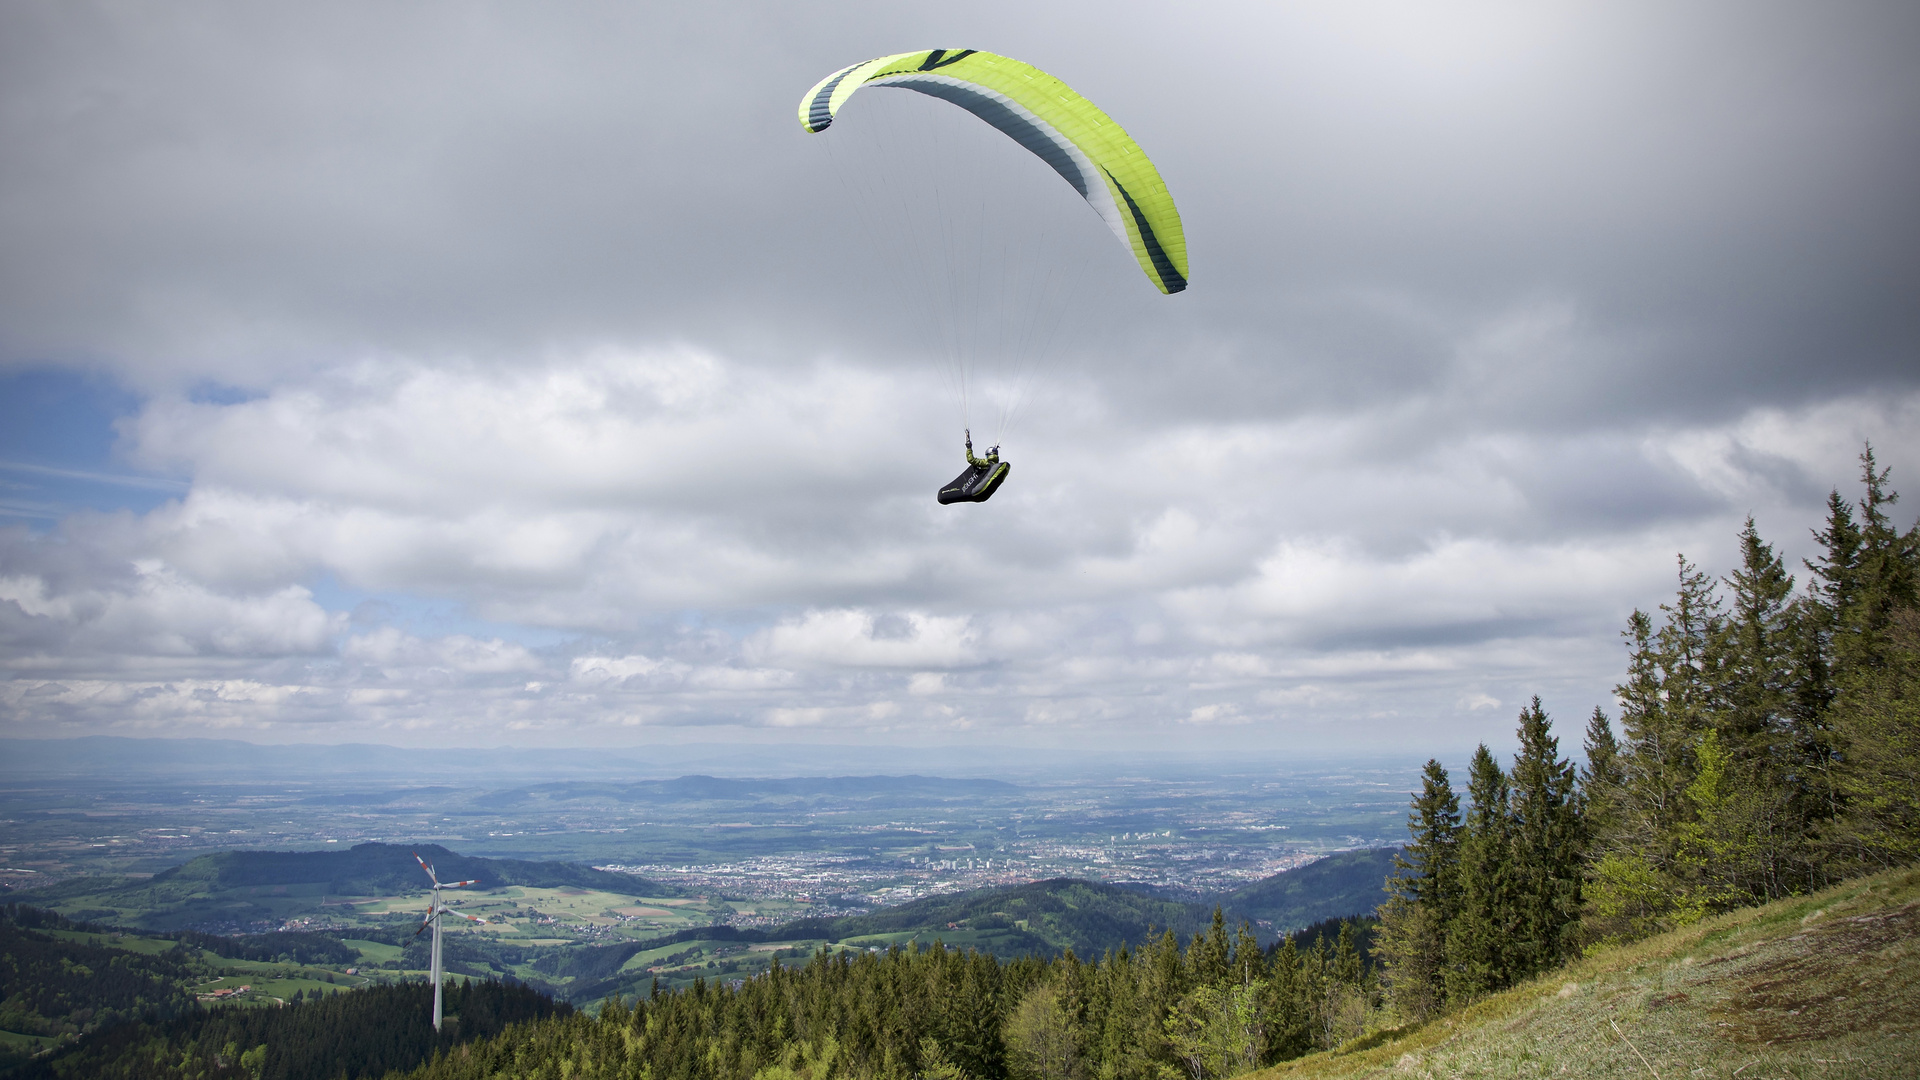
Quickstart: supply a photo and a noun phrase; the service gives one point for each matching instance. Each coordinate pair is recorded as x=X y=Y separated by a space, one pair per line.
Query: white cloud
x=1252 y=575
x=391 y=649
x=1220 y=713
x=864 y=639
x=157 y=612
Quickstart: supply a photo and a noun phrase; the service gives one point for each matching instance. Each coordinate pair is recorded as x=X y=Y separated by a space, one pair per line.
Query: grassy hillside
x=1349 y=883
x=1817 y=987
x=240 y=887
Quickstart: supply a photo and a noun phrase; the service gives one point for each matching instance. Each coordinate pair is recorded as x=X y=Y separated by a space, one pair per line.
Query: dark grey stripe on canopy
x=1155 y=253
x=818 y=114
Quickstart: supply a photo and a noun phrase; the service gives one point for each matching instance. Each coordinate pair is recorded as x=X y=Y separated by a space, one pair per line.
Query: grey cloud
x=556 y=316
x=1718 y=190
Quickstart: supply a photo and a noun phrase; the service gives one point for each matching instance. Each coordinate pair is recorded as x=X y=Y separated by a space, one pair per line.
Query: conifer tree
x=1424 y=896
x=1207 y=959
x=1478 y=937
x=1869 y=571
x=1755 y=659
x=1601 y=778
x=1288 y=1031
x=1878 y=715
x=1870 y=578
x=1775 y=756
x=1428 y=867
x=1666 y=702
x=1547 y=848
x=1249 y=961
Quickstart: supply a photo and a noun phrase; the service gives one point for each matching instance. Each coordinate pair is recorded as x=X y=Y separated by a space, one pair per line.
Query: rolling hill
x=1041 y=918
x=1342 y=884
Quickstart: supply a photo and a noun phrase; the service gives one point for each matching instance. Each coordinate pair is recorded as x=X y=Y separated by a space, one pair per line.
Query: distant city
x=763 y=850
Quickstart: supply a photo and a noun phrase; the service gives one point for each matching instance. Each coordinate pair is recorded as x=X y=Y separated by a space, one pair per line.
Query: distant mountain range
x=898 y=789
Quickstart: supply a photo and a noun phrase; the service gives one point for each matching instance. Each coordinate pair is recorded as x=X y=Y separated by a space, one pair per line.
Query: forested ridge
x=1220 y=1006
x=368 y=1032
x=54 y=987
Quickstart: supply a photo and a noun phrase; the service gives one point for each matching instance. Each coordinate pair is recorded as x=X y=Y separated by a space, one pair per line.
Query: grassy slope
x=1822 y=986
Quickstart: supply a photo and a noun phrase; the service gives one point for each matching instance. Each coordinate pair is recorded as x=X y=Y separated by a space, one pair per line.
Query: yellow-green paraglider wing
x=1043 y=114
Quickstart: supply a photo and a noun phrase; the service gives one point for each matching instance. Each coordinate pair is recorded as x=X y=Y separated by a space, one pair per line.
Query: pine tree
x=1666 y=703
x=1428 y=867
x=1479 y=935
x=1870 y=580
x=1207 y=959
x=1776 y=757
x=1548 y=848
x=1411 y=941
x=1289 y=1031
x=1755 y=660
x=1870 y=571
x=1879 y=716
x=1601 y=778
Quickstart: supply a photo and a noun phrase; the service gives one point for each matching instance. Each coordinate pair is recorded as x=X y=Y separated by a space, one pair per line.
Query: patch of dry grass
x=1826 y=986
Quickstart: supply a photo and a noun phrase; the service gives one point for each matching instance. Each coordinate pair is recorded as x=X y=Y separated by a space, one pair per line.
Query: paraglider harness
x=982 y=478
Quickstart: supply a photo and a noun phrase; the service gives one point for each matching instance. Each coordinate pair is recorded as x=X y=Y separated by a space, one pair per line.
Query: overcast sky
x=524 y=374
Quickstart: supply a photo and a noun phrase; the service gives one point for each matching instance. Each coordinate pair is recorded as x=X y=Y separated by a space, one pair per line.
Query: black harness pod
x=977 y=484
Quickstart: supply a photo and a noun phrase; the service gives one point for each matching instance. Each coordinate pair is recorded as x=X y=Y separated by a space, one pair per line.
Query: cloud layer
x=531 y=377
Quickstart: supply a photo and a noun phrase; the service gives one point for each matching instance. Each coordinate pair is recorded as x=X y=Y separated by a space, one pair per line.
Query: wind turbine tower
x=434 y=911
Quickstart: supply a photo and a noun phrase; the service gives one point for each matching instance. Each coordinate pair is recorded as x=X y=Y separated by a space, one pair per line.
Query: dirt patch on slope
x=1850 y=974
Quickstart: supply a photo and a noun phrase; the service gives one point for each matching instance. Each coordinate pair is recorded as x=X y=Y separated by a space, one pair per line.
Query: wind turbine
x=434 y=911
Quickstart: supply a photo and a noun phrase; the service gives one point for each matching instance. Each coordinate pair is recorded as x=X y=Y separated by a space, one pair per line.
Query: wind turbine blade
x=424 y=866
x=460 y=884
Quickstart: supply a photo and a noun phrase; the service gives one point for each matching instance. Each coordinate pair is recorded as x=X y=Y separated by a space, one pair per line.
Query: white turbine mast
x=434 y=911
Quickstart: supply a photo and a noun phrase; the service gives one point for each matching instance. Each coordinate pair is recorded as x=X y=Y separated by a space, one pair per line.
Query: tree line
x=367 y=1032
x=1768 y=745
x=62 y=988
x=1219 y=1007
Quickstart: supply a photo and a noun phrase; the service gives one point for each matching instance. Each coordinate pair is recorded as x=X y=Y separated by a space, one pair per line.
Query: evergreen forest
x=1768 y=745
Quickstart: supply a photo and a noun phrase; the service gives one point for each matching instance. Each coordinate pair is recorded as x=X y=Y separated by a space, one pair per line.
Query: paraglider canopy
x=1043 y=114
